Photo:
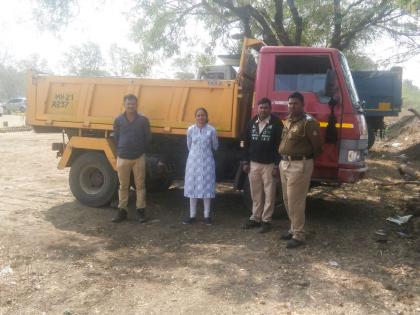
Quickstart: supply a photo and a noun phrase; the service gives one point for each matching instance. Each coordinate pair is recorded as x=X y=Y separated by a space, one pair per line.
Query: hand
x=275 y=172
x=246 y=168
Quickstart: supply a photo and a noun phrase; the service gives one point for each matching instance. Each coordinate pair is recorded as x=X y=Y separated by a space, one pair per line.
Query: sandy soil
x=60 y=257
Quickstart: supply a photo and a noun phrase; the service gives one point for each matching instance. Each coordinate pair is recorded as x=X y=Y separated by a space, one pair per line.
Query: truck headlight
x=353 y=156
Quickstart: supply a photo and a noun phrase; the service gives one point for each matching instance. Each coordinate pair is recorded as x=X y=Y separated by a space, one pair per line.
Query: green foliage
x=162 y=27
x=11 y=82
x=85 y=60
x=360 y=62
x=12 y=74
x=53 y=15
x=125 y=63
x=411 y=95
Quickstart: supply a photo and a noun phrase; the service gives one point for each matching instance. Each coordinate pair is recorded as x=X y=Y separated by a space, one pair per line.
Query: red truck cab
x=321 y=75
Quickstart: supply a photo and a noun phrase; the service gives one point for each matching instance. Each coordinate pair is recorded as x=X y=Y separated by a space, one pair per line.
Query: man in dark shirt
x=261 y=142
x=132 y=135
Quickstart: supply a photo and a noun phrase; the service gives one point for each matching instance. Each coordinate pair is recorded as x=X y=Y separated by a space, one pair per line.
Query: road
x=60 y=257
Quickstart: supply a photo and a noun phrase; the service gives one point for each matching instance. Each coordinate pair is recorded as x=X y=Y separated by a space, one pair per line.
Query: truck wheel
x=92 y=179
x=371 y=137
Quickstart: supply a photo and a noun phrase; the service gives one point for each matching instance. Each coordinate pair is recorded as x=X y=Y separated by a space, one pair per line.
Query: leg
x=257 y=194
x=269 y=184
x=139 y=171
x=297 y=189
x=207 y=217
x=193 y=207
x=193 y=212
x=124 y=171
x=124 y=167
x=284 y=165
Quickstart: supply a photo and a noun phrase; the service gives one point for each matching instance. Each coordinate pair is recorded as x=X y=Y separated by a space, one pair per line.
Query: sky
x=105 y=23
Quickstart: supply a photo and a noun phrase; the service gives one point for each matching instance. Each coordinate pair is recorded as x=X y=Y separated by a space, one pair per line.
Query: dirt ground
x=60 y=257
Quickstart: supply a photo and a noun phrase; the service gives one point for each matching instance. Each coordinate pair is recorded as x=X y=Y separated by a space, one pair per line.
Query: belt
x=295 y=157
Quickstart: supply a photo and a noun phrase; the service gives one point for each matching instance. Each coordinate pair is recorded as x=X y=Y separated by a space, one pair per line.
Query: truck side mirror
x=331 y=83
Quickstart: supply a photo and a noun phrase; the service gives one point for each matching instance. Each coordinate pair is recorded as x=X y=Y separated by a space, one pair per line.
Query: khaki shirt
x=301 y=137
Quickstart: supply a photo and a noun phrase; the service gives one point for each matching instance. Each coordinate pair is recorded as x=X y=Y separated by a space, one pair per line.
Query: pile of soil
x=403 y=136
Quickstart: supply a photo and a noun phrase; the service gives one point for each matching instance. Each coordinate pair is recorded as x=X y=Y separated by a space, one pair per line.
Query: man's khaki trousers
x=124 y=169
x=263 y=191
x=295 y=180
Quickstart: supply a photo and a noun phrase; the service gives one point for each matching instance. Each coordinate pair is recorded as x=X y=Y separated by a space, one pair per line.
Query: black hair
x=130 y=97
x=297 y=95
x=264 y=100
x=205 y=112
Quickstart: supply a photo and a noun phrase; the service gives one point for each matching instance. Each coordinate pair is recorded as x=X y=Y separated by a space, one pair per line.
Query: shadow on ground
x=238 y=264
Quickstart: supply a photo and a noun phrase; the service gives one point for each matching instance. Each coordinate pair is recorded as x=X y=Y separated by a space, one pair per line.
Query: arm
x=314 y=136
x=214 y=140
x=277 y=140
x=116 y=128
x=189 y=138
x=246 y=140
x=147 y=132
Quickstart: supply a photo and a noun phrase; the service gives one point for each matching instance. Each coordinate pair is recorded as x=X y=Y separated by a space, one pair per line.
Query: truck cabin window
x=302 y=73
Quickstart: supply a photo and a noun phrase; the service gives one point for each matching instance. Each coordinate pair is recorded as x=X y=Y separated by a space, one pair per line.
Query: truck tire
x=371 y=137
x=92 y=180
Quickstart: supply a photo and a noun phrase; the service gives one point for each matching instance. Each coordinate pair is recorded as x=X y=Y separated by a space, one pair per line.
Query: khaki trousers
x=263 y=191
x=295 y=179
x=124 y=169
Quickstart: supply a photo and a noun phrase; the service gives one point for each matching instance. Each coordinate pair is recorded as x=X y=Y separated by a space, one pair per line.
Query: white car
x=1 y=110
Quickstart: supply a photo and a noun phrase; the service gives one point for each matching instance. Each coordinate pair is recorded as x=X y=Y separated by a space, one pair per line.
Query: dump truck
x=381 y=96
x=83 y=109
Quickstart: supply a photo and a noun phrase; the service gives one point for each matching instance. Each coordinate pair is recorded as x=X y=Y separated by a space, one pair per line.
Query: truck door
x=307 y=73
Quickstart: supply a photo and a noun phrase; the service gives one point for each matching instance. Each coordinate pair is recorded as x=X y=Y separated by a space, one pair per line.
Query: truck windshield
x=302 y=73
x=349 y=82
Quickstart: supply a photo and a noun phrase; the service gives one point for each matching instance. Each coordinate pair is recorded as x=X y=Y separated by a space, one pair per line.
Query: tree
x=164 y=25
x=341 y=24
x=12 y=74
x=411 y=95
x=189 y=65
x=12 y=82
x=123 y=62
x=85 y=60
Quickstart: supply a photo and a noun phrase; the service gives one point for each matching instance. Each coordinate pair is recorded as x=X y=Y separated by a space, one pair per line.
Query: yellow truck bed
x=94 y=102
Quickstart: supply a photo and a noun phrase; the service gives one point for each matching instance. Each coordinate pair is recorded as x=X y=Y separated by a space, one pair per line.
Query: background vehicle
x=14 y=105
x=84 y=108
x=381 y=93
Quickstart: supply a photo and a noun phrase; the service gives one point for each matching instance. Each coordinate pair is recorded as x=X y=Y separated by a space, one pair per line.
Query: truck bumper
x=351 y=175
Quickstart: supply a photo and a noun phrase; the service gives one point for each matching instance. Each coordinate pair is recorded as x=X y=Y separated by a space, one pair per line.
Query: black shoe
x=141 y=215
x=293 y=243
x=120 y=216
x=250 y=224
x=265 y=227
x=208 y=221
x=286 y=237
x=188 y=220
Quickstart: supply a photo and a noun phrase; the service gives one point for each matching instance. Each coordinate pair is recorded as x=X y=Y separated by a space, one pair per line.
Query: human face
x=264 y=110
x=130 y=106
x=295 y=107
x=201 y=118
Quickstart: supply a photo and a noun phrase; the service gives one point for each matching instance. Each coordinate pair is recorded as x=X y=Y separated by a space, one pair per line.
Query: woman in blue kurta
x=200 y=172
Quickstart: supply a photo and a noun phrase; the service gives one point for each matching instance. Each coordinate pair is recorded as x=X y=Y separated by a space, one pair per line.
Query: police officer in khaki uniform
x=300 y=144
